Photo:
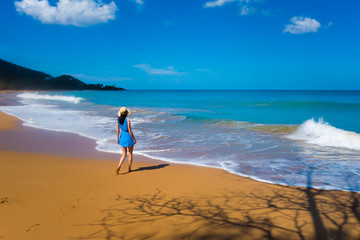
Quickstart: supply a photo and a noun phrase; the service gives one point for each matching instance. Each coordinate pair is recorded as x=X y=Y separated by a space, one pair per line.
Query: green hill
x=14 y=77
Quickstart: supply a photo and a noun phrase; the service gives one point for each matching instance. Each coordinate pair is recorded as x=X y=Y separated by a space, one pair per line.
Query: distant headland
x=14 y=77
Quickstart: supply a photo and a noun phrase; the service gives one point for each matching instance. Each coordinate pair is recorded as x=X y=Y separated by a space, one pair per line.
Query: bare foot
x=130 y=170
x=117 y=171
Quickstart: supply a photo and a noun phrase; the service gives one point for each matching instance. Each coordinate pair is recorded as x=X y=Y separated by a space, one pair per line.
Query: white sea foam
x=37 y=96
x=50 y=117
x=323 y=134
x=225 y=144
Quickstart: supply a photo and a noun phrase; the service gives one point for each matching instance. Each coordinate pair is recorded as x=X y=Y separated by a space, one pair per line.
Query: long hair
x=122 y=117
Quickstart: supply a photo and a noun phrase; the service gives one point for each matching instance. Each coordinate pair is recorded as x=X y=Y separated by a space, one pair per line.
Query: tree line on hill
x=14 y=77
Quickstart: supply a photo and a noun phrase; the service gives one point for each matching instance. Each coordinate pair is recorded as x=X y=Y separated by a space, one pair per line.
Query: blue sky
x=188 y=44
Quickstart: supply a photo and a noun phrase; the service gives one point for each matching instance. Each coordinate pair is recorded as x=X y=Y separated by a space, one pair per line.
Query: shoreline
x=93 y=152
x=288 y=156
x=64 y=190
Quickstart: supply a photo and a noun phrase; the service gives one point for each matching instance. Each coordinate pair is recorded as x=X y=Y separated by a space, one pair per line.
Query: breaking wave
x=37 y=96
x=323 y=134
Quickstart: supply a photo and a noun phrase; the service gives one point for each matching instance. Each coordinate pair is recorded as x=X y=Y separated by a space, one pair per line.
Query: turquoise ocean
x=296 y=138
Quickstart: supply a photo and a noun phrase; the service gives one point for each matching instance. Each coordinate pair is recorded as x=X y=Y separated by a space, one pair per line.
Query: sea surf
x=296 y=138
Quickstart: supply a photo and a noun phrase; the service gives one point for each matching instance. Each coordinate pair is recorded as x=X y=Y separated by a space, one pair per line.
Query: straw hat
x=123 y=110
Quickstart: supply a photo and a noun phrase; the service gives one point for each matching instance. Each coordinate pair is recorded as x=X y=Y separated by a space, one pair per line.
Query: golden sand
x=46 y=196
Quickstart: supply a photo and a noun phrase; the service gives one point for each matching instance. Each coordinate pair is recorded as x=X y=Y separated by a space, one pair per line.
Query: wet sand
x=56 y=186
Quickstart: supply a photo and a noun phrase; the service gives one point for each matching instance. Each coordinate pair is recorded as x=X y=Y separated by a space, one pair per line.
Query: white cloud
x=158 y=71
x=140 y=2
x=68 y=12
x=302 y=25
x=246 y=6
x=218 y=3
x=329 y=25
x=246 y=10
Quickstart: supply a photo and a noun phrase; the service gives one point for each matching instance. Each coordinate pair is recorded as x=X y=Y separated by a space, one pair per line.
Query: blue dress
x=125 y=137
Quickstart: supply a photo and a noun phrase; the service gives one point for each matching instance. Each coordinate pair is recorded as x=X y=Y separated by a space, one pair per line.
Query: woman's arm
x=117 y=131
x=130 y=131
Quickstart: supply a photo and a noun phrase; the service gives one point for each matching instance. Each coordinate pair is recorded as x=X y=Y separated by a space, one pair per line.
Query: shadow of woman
x=149 y=168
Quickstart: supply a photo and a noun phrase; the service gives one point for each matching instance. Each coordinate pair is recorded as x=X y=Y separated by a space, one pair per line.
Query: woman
x=127 y=139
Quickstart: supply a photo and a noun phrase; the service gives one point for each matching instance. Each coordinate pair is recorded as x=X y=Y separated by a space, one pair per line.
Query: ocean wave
x=323 y=134
x=243 y=146
x=71 y=99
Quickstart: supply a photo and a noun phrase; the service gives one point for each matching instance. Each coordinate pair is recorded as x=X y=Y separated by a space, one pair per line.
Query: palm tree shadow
x=148 y=168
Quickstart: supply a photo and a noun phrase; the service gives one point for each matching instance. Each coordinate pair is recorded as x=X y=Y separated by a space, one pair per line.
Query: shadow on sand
x=148 y=168
x=281 y=213
x=151 y=167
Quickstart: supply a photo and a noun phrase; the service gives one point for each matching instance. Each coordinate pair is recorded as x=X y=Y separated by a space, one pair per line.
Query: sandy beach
x=245 y=115
x=57 y=186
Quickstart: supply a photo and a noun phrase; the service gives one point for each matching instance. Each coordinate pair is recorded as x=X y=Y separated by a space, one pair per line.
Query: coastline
x=227 y=142
x=49 y=192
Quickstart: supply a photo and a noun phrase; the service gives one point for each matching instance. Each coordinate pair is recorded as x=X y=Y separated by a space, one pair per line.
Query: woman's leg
x=130 y=156
x=122 y=158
